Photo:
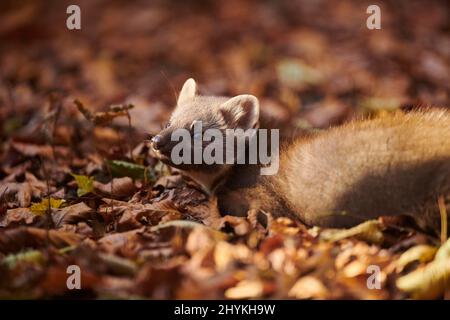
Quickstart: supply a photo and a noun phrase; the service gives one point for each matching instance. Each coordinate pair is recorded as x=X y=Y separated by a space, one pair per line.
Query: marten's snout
x=157 y=142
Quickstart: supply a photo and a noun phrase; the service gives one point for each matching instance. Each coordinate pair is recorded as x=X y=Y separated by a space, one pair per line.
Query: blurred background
x=313 y=63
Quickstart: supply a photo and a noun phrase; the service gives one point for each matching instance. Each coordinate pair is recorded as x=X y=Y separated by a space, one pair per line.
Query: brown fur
x=387 y=166
x=395 y=165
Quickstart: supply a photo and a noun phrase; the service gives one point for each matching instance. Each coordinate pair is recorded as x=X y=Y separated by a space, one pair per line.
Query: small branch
x=443 y=212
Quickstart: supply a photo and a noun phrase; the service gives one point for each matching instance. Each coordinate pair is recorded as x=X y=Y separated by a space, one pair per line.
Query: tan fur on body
x=396 y=165
x=387 y=166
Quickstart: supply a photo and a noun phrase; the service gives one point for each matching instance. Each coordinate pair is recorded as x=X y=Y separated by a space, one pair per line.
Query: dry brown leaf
x=308 y=287
x=118 y=187
x=71 y=214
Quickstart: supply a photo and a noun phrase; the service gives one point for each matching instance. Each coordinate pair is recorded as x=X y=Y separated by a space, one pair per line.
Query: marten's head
x=189 y=123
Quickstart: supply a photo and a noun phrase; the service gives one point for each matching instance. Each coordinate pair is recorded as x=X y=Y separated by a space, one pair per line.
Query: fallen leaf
x=430 y=281
x=308 y=287
x=422 y=253
x=129 y=169
x=225 y=254
x=42 y=207
x=296 y=74
x=246 y=289
x=102 y=118
x=14 y=240
x=33 y=256
x=118 y=265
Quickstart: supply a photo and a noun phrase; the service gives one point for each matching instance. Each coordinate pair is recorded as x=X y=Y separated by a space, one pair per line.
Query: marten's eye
x=167 y=125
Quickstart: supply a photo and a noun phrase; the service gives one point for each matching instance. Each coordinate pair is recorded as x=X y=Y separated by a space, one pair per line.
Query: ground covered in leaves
x=79 y=185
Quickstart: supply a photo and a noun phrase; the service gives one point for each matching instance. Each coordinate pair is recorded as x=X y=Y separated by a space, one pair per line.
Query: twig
x=443 y=212
x=55 y=100
x=129 y=135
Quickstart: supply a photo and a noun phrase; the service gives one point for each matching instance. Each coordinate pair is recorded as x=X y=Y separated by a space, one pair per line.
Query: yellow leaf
x=422 y=253
x=32 y=256
x=308 y=287
x=378 y=104
x=41 y=208
x=430 y=281
x=443 y=252
x=245 y=289
x=85 y=184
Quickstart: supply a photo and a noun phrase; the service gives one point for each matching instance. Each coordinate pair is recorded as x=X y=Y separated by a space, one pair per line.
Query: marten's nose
x=157 y=142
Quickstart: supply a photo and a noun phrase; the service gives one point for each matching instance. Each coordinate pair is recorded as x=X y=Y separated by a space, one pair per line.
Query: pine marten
x=394 y=165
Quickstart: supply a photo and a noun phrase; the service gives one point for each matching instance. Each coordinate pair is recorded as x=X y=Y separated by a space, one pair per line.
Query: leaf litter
x=79 y=184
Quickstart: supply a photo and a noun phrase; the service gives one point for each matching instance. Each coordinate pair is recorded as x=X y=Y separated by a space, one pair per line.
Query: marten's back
x=385 y=166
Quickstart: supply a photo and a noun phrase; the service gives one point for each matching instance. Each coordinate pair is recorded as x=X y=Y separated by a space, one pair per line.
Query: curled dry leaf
x=284 y=226
x=226 y=254
x=430 y=281
x=200 y=239
x=240 y=225
x=308 y=287
x=246 y=289
x=18 y=216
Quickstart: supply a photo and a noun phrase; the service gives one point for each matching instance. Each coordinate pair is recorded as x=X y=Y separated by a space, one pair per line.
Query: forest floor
x=85 y=189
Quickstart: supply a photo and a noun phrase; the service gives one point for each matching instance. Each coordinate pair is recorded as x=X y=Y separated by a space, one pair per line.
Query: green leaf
x=33 y=256
x=85 y=184
x=422 y=253
x=119 y=265
x=132 y=170
x=41 y=208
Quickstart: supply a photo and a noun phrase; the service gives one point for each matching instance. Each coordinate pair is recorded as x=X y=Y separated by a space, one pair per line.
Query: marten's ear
x=188 y=91
x=241 y=111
